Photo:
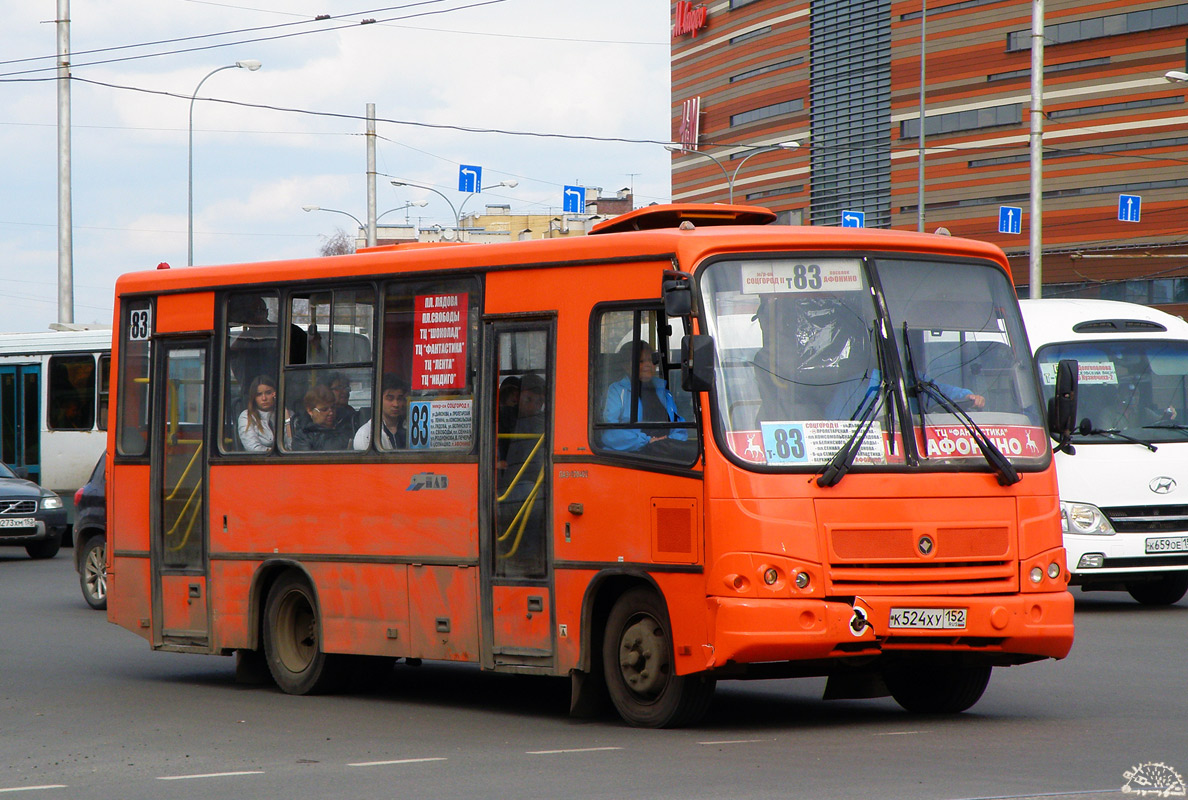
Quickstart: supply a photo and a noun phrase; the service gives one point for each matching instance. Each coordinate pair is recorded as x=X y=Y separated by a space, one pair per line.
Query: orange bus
x=688 y=447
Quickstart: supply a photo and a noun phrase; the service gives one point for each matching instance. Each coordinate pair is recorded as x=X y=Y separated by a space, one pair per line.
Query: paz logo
x=1154 y=779
x=925 y=545
x=1162 y=485
x=428 y=480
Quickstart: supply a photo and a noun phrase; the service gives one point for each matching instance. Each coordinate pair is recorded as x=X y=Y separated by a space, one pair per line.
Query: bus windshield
x=1133 y=389
x=819 y=353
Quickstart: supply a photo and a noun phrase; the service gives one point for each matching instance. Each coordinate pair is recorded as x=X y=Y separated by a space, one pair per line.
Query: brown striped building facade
x=842 y=79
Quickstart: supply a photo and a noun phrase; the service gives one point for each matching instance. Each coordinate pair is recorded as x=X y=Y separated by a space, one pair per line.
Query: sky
x=292 y=133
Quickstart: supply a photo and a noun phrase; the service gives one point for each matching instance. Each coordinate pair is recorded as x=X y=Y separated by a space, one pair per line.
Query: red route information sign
x=439 y=341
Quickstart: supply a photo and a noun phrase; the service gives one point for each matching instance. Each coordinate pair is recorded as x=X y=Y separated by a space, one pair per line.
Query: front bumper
x=1122 y=555
x=46 y=525
x=1003 y=629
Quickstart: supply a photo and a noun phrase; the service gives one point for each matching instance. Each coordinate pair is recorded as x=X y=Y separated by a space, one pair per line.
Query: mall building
x=812 y=109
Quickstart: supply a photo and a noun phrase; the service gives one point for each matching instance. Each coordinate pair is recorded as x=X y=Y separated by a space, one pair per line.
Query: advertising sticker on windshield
x=1088 y=372
x=824 y=275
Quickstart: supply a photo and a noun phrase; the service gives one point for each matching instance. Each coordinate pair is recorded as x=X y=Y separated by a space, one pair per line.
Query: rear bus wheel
x=936 y=689
x=639 y=667
x=293 y=638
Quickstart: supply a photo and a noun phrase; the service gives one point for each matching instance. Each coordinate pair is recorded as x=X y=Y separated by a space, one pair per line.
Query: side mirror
x=697 y=363
x=1062 y=408
x=677 y=290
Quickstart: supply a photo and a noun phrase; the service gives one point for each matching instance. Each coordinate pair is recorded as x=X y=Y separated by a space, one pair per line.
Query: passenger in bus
x=344 y=414
x=393 y=416
x=508 y=411
x=655 y=405
x=315 y=429
x=257 y=422
x=522 y=509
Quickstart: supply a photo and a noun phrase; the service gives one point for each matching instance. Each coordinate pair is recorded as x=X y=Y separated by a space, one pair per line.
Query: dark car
x=90 y=536
x=30 y=517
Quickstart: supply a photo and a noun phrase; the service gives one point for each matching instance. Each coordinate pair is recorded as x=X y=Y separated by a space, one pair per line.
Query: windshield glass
x=803 y=359
x=1138 y=388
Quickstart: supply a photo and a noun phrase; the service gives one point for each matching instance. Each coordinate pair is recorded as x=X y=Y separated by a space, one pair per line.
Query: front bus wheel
x=639 y=668
x=292 y=638
x=936 y=688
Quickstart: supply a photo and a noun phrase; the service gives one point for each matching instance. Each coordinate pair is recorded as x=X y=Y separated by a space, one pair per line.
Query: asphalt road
x=87 y=710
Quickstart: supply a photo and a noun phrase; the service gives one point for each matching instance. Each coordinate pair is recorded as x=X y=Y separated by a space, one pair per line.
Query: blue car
x=30 y=517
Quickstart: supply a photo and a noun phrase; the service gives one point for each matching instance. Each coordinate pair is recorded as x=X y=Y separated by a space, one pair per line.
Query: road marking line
x=736 y=741
x=572 y=750
x=900 y=733
x=209 y=775
x=33 y=788
x=396 y=761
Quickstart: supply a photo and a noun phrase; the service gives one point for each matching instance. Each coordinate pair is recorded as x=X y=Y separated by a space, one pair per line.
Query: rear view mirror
x=1062 y=407
x=677 y=290
x=697 y=363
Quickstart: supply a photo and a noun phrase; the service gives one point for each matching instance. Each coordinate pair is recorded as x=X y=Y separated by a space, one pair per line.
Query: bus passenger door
x=20 y=423
x=516 y=498
x=179 y=536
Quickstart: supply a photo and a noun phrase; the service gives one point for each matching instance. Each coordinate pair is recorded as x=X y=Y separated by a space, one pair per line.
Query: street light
x=768 y=149
x=251 y=65
x=1175 y=76
x=335 y=211
x=439 y=194
x=725 y=174
x=410 y=204
x=511 y=184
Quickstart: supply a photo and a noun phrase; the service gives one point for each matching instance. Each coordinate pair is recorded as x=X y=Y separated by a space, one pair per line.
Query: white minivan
x=1124 y=477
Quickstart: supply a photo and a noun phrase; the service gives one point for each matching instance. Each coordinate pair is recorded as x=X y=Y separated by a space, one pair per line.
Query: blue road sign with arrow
x=1010 y=219
x=1130 y=207
x=574 y=200
x=470 y=178
x=853 y=219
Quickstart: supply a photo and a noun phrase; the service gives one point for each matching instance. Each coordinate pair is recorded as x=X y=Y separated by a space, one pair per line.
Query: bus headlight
x=1084 y=518
x=51 y=501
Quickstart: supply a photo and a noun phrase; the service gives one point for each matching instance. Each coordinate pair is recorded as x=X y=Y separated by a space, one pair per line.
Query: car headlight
x=51 y=501
x=1084 y=518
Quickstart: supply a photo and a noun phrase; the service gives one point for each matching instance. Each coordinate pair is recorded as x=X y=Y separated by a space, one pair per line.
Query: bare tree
x=339 y=243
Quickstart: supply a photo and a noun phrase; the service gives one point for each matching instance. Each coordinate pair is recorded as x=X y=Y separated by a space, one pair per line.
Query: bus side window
x=253 y=355
x=135 y=351
x=71 y=400
x=104 y=390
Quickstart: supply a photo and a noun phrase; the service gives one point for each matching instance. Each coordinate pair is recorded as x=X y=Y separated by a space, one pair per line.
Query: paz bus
x=1123 y=482
x=53 y=405
x=690 y=446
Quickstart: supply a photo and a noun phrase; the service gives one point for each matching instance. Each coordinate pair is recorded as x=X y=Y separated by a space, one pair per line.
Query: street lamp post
x=725 y=174
x=249 y=64
x=336 y=211
x=511 y=184
x=769 y=149
x=457 y=220
x=410 y=204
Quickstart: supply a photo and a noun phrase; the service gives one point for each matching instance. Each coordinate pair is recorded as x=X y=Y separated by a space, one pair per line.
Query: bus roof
x=20 y=344
x=688 y=246
x=1071 y=320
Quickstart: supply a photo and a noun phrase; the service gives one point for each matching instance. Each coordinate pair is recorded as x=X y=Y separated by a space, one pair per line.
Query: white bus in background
x=53 y=405
x=1124 y=480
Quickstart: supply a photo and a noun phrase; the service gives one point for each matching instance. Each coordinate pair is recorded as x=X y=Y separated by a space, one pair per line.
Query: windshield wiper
x=1170 y=426
x=843 y=459
x=1006 y=473
x=1086 y=429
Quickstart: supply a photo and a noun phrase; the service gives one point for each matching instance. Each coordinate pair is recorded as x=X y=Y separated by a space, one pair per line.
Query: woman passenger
x=257 y=422
x=316 y=429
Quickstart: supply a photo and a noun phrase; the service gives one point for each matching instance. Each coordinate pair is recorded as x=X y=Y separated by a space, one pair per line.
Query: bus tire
x=46 y=548
x=92 y=573
x=1164 y=591
x=936 y=689
x=293 y=638
x=639 y=668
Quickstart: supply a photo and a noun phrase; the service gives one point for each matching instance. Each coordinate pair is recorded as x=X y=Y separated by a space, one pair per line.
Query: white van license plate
x=928 y=618
x=1168 y=544
x=9 y=522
